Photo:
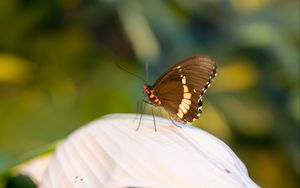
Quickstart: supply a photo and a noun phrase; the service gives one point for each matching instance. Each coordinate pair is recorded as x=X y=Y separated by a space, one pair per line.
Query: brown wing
x=181 y=87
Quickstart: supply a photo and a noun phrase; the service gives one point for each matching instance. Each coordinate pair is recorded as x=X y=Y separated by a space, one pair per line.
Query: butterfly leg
x=154 y=120
x=137 y=110
x=174 y=123
x=147 y=102
x=140 y=120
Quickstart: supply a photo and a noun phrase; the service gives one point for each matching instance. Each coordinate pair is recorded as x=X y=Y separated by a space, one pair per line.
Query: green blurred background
x=57 y=71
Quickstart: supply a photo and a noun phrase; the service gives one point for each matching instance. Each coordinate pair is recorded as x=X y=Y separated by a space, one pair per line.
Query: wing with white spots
x=181 y=87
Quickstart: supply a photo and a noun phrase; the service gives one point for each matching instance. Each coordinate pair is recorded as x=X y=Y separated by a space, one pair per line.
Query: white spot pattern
x=184 y=106
x=183 y=80
x=185 y=89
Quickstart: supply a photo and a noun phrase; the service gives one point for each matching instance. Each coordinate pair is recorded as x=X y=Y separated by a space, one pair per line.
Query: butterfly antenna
x=147 y=71
x=135 y=75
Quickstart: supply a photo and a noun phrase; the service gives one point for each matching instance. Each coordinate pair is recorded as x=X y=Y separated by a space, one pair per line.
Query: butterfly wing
x=181 y=87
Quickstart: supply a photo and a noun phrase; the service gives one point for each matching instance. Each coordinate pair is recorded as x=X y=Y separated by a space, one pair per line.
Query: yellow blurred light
x=250 y=117
x=13 y=69
x=273 y=167
x=235 y=77
x=214 y=122
x=246 y=6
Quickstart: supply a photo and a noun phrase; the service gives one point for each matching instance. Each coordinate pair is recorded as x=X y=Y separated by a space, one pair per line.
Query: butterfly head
x=147 y=89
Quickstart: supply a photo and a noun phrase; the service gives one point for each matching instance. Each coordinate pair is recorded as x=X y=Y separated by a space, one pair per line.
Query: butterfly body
x=180 y=89
x=151 y=95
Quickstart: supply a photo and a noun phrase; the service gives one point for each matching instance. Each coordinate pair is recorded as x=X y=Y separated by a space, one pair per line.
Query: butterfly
x=180 y=89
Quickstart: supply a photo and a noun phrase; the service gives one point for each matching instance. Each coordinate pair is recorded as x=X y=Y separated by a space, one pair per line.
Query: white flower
x=109 y=152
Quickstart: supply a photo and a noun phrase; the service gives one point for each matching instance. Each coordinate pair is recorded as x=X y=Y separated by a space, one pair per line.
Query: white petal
x=110 y=153
x=35 y=168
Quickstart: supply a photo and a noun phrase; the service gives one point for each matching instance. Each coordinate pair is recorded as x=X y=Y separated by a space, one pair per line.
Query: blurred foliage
x=57 y=71
x=20 y=181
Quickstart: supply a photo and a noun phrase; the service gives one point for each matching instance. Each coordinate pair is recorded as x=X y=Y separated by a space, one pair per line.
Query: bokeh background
x=58 y=71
